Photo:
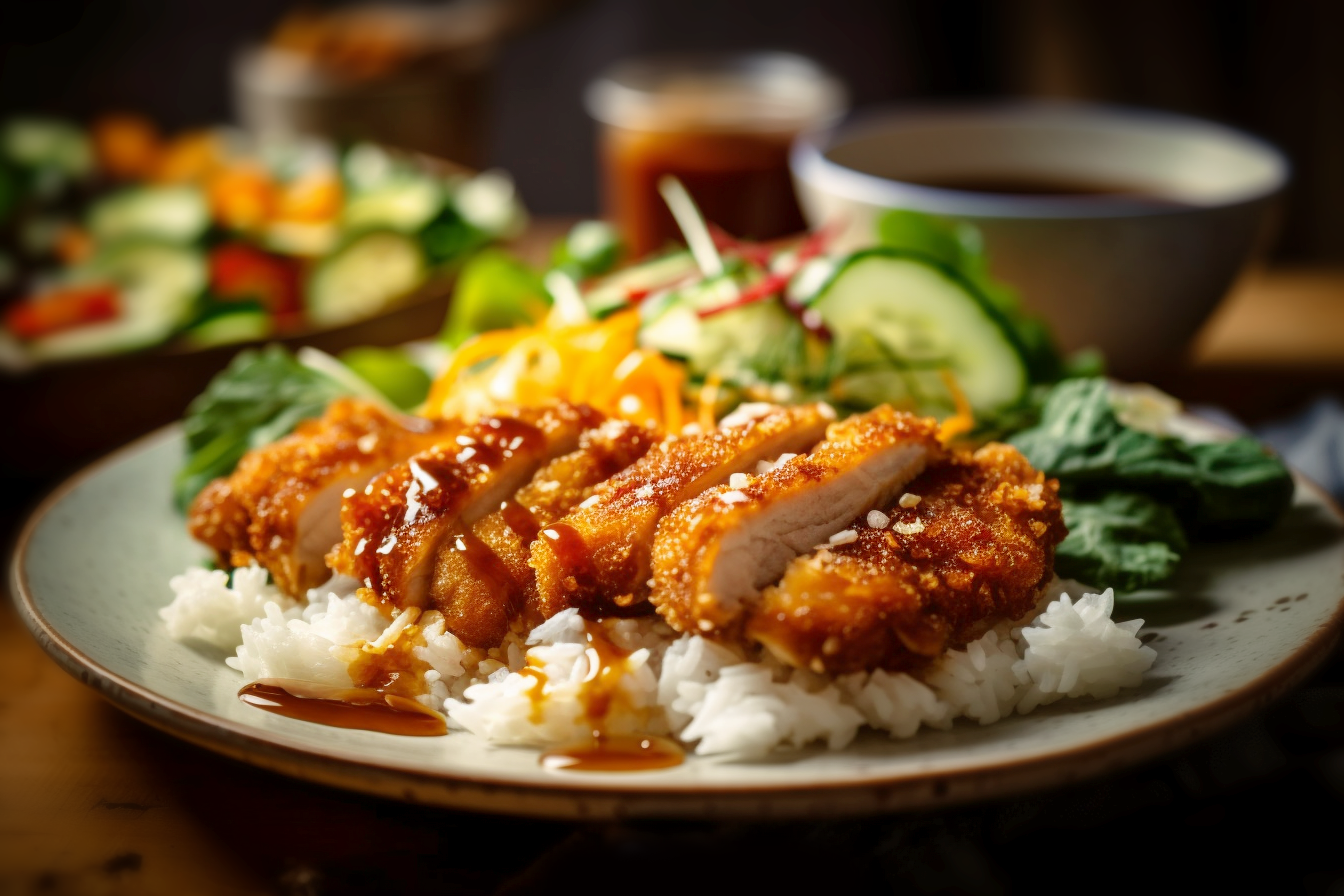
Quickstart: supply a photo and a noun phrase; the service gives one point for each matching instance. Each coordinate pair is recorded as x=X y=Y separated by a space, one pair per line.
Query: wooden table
x=92 y=801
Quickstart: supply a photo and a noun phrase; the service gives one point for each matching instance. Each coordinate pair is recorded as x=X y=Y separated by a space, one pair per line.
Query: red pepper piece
x=62 y=309
x=240 y=271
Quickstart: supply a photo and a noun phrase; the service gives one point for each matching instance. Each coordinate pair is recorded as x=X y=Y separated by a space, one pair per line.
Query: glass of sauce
x=722 y=125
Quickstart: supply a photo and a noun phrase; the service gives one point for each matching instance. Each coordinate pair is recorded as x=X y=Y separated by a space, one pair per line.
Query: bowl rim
x=811 y=166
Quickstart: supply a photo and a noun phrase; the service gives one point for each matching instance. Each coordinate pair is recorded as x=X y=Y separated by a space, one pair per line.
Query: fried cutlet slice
x=714 y=554
x=486 y=586
x=975 y=550
x=598 y=558
x=392 y=529
x=280 y=505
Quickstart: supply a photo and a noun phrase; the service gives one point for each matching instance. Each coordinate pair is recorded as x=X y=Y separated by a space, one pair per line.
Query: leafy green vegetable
x=448 y=237
x=1225 y=487
x=1219 y=488
x=1124 y=539
x=1240 y=487
x=590 y=249
x=261 y=396
x=494 y=291
x=392 y=372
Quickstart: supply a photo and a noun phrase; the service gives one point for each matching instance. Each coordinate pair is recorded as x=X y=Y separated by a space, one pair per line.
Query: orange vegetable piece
x=128 y=147
x=189 y=157
x=73 y=245
x=242 y=197
x=312 y=199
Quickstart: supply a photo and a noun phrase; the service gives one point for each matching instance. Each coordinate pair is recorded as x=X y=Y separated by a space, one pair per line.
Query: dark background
x=1273 y=68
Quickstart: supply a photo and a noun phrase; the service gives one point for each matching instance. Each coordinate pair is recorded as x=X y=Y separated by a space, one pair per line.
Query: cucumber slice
x=900 y=319
x=489 y=202
x=226 y=327
x=176 y=214
x=675 y=332
x=46 y=143
x=303 y=240
x=737 y=344
x=741 y=343
x=365 y=277
x=404 y=203
x=158 y=285
x=613 y=292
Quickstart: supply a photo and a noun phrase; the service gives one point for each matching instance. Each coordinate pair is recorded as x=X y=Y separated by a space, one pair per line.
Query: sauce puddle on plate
x=615 y=753
x=368 y=709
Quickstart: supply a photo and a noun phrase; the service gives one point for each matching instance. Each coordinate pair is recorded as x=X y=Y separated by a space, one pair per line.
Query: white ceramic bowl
x=1131 y=273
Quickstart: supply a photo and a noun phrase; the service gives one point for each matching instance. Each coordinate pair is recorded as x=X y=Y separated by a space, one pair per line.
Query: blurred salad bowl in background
x=133 y=265
x=1123 y=228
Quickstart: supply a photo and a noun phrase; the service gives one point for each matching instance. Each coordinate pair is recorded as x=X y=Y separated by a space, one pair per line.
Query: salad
x=116 y=238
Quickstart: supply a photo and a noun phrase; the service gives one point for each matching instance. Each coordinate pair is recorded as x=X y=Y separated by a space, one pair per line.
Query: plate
x=1243 y=622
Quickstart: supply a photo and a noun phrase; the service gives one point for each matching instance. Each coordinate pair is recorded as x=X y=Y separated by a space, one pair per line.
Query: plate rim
x=617 y=796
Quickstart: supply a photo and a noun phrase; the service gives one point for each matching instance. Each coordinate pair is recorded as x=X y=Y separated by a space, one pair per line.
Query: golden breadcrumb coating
x=393 y=529
x=714 y=553
x=974 y=550
x=485 y=592
x=279 y=506
x=597 y=558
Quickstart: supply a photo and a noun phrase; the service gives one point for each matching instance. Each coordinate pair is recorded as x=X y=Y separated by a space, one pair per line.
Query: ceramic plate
x=1243 y=622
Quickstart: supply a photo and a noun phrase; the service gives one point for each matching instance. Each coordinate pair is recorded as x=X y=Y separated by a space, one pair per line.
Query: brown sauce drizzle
x=520 y=520
x=600 y=694
x=367 y=709
x=615 y=753
x=570 y=550
x=505 y=436
x=603 y=689
x=484 y=562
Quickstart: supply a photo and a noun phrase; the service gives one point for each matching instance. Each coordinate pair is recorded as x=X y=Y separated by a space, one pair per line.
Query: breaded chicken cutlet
x=281 y=505
x=393 y=530
x=756 y=534
x=715 y=552
x=972 y=545
x=599 y=557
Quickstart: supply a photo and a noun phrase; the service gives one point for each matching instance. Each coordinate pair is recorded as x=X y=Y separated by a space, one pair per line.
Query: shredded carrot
x=963 y=420
x=709 y=400
x=598 y=363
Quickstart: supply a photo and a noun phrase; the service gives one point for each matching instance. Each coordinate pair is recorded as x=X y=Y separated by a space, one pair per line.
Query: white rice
x=704 y=693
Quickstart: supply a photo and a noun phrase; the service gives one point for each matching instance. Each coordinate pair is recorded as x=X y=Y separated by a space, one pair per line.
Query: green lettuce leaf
x=261 y=396
x=1123 y=540
x=1111 y=473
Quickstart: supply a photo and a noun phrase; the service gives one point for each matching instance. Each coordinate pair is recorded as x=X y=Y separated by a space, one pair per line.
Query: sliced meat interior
x=486 y=587
x=974 y=550
x=280 y=506
x=714 y=553
x=598 y=558
x=392 y=529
